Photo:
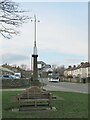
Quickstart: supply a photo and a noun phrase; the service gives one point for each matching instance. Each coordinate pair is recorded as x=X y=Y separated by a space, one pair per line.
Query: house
x=68 y=72
x=76 y=71
x=85 y=70
x=40 y=65
x=5 y=71
x=81 y=71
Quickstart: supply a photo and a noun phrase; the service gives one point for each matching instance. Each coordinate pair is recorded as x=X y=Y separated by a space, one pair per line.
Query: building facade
x=81 y=71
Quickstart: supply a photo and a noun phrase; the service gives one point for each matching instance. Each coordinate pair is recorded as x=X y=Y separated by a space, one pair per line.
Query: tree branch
x=10 y=15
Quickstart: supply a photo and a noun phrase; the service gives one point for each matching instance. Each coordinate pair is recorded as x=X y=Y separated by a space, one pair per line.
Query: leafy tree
x=10 y=18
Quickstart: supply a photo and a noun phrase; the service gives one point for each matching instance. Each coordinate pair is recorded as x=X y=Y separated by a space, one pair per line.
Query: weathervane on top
x=34 y=19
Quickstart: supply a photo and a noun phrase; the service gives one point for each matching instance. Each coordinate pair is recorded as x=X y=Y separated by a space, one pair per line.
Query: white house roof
x=6 y=69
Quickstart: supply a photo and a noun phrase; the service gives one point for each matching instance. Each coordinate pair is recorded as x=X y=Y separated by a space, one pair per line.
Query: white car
x=17 y=75
x=12 y=76
x=54 y=79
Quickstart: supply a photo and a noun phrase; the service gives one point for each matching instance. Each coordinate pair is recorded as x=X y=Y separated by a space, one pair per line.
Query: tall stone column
x=35 y=69
x=35 y=55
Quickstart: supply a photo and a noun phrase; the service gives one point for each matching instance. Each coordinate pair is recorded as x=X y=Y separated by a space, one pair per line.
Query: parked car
x=6 y=77
x=54 y=79
x=12 y=76
x=17 y=75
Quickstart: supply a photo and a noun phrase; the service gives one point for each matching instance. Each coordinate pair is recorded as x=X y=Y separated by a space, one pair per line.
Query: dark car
x=7 y=77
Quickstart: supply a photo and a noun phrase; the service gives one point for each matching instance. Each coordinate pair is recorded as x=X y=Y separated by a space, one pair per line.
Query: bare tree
x=61 y=69
x=23 y=66
x=10 y=18
x=54 y=67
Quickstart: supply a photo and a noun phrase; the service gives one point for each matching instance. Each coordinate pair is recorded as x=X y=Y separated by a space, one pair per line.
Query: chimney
x=74 y=66
x=82 y=63
x=69 y=66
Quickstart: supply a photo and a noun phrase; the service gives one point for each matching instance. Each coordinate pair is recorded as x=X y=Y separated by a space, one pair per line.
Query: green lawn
x=68 y=105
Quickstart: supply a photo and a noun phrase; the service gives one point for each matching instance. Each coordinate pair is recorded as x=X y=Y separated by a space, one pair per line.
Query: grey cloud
x=10 y=58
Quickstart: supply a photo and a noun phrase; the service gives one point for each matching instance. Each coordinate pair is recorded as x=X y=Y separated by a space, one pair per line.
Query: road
x=66 y=86
x=61 y=86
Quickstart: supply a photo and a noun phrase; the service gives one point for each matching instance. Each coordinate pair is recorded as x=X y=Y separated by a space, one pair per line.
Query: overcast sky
x=62 y=35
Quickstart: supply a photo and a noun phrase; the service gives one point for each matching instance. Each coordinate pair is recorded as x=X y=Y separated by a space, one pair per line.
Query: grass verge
x=67 y=104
